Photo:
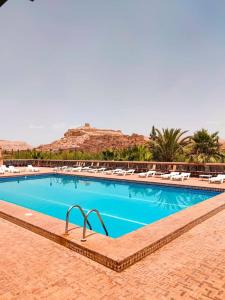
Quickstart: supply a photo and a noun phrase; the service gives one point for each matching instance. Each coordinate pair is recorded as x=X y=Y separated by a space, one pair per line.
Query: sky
x=119 y=64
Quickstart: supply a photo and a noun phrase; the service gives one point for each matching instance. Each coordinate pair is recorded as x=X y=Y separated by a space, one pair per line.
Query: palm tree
x=168 y=144
x=153 y=133
x=205 y=146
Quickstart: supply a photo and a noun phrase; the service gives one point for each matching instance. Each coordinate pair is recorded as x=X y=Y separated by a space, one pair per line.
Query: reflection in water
x=166 y=197
x=67 y=180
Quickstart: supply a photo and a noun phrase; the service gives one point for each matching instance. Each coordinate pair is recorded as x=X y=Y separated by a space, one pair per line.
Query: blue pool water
x=124 y=206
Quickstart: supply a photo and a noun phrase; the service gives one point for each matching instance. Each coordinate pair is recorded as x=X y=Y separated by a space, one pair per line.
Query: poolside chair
x=4 y=168
x=147 y=174
x=30 y=168
x=64 y=167
x=68 y=169
x=93 y=170
x=126 y=172
x=56 y=169
x=181 y=176
x=113 y=171
x=101 y=170
x=86 y=169
x=76 y=169
x=97 y=170
x=168 y=176
x=219 y=178
x=2 y=171
x=12 y=169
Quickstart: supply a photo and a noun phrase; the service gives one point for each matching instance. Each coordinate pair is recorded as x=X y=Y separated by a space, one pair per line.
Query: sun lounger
x=2 y=171
x=147 y=174
x=114 y=171
x=64 y=168
x=94 y=170
x=56 y=169
x=181 y=176
x=30 y=168
x=86 y=169
x=101 y=170
x=4 y=168
x=168 y=176
x=76 y=169
x=97 y=170
x=126 y=172
x=219 y=178
x=12 y=169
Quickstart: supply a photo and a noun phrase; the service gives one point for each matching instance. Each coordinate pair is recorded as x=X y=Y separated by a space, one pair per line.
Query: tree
x=168 y=144
x=153 y=133
x=205 y=146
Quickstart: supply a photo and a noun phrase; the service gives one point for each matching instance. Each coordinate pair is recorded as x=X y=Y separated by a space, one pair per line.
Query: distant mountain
x=14 y=145
x=91 y=139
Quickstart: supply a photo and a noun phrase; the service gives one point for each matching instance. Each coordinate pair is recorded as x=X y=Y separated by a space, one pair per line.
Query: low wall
x=194 y=168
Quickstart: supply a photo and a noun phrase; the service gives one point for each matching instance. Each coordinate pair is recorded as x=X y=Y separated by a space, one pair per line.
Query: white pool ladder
x=86 y=222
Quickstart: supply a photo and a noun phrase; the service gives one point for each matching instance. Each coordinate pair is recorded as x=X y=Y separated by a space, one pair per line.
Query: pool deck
x=188 y=267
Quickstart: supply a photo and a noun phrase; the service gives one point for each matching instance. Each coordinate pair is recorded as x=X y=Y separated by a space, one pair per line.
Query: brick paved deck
x=190 y=267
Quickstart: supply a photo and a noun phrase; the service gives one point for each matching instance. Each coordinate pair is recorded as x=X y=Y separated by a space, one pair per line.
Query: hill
x=14 y=145
x=87 y=138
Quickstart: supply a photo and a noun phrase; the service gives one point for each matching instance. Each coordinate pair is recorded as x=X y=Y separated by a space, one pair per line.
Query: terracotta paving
x=190 y=267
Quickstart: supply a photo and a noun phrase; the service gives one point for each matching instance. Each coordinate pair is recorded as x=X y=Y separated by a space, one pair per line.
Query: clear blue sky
x=121 y=64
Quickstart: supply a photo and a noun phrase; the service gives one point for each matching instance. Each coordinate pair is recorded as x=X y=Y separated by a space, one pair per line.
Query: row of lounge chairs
x=120 y=172
x=182 y=176
x=151 y=173
x=172 y=175
x=103 y=170
x=11 y=169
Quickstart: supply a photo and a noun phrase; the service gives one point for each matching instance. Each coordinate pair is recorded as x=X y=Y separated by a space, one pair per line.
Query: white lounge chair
x=4 y=168
x=219 y=178
x=147 y=174
x=56 y=169
x=12 y=169
x=64 y=167
x=101 y=170
x=86 y=169
x=2 y=171
x=97 y=170
x=126 y=172
x=168 y=176
x=114 y=171
x=181 y=176
x=93 y=170
x=30 y=168
x=76 y=169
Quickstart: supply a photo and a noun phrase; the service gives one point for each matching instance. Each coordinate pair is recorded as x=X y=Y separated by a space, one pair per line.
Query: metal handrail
x=68 y=215
x=86 y=222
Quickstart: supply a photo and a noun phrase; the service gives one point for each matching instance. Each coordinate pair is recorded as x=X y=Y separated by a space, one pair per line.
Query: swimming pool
x=124 y=206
